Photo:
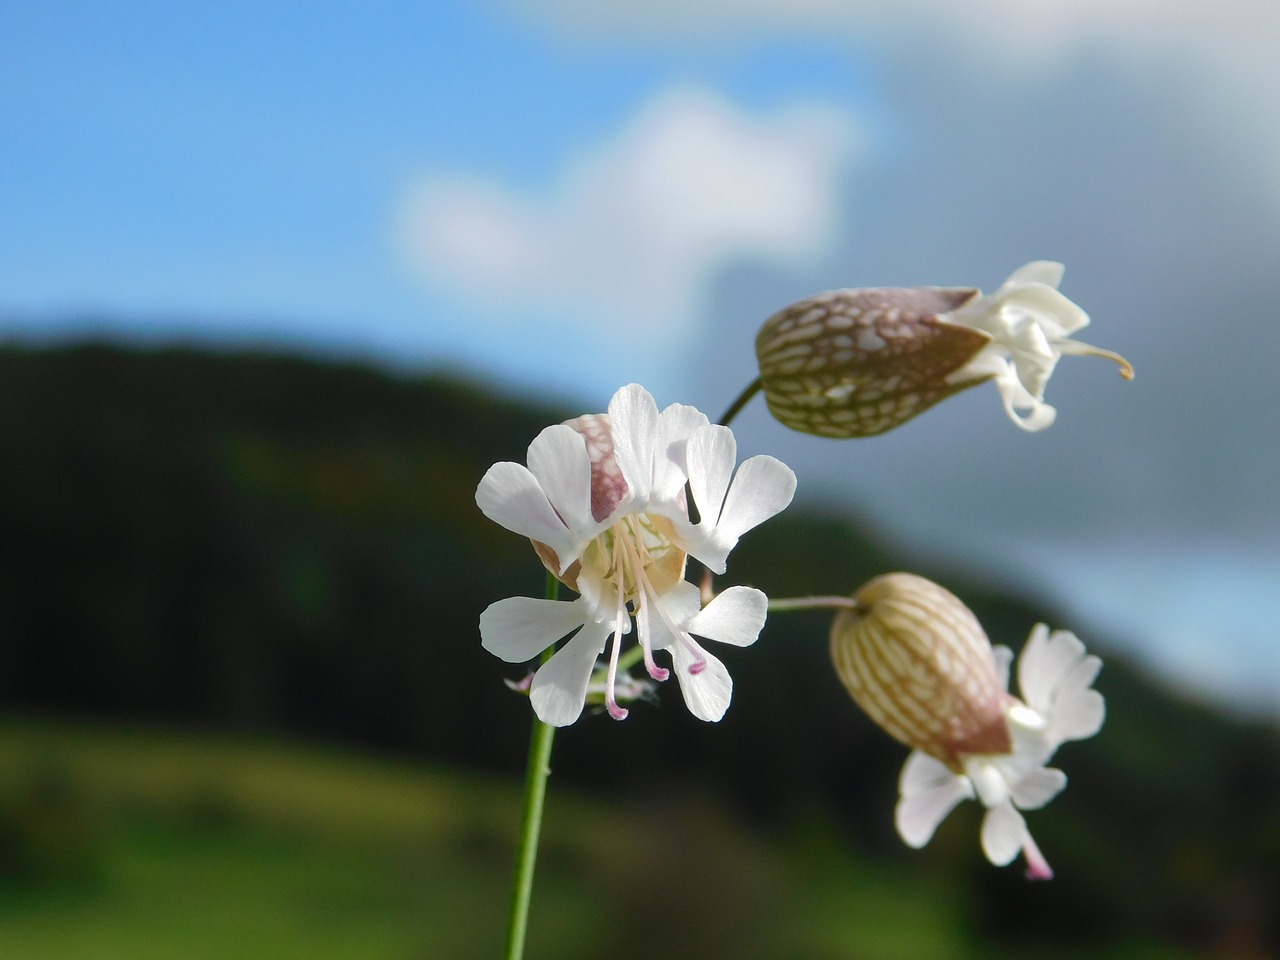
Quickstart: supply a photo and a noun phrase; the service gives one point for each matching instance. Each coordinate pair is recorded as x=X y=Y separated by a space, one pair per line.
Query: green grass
x=119 y=844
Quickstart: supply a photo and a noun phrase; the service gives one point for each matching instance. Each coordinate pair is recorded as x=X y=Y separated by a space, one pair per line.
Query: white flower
x=1030 y=325
x=857 y=363
x=603 y=498
x=1055 y=677
x=919 y=664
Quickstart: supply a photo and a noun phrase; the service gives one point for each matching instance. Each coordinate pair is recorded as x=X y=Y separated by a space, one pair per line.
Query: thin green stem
x=743 y=399
x=787 y=604
x=535 y=791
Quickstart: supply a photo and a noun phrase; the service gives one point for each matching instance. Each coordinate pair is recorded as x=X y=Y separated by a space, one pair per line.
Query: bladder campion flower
x=919 y=664
x=856 y=363
x=604 y=501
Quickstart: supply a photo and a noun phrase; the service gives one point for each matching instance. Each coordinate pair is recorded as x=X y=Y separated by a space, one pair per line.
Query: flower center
x=628 y=567
x=636 y=552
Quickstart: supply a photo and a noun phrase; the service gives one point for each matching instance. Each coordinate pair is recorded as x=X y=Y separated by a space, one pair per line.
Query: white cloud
x=1230 y=44
x=1231 y=27
x=635 y=229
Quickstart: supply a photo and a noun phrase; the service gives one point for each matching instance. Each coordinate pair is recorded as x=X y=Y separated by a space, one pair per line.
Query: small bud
x=856 y=363
x=917 y=661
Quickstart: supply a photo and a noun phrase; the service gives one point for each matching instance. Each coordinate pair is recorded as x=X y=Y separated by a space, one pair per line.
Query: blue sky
x=565 y=196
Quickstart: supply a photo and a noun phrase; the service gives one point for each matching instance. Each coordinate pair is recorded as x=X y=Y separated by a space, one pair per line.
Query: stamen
x=642 y=622
x=1037 y=866
x=644 y=590
x=610 y=699
x=699 y=662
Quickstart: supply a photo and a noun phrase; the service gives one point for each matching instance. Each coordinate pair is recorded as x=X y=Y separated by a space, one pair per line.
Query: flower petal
x=1038 y=787
x=929 y=792
x=559 y=460
x=762 y=488
x=658 y=615
x=735 y=617
x=1003 y=834
x=1078 y=717
x=1048 y=272
x=676 y=424
x=519 y=628
x=1046 y=661
x=707 y=692
x=559 y=688
x=510 y=495
x=1033 y=357
x=1003 y=657
x=710 y=455
x=633 y=420
x=1014 y=396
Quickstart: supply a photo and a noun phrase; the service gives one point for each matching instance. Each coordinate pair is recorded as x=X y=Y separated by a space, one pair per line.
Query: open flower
x=856 y=363
x=1030 y=325
x=917 y=661
x=603 y=499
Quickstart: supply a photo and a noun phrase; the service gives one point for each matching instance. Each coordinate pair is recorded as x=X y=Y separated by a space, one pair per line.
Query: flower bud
x=856 y=363
x=917 y=661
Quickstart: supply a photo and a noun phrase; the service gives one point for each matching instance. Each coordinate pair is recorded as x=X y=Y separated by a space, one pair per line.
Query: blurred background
x=276 y=286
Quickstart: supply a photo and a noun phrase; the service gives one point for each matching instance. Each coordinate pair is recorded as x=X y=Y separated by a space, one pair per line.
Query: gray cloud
x=1171 y=241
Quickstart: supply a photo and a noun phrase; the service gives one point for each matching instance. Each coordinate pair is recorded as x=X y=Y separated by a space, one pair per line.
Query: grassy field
x=126 y=844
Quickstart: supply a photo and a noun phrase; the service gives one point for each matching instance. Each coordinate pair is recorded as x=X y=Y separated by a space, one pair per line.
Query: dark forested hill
x=265 y=543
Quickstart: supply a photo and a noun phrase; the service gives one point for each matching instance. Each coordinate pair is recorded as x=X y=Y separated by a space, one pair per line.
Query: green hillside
x=256 y=545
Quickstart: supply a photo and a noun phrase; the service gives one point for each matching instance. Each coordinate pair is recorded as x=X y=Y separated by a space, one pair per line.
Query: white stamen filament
x=629 y=560
x=647 y=597
x=620 y=616
x=632 y=544
x=700 y=662
x=1037 y=866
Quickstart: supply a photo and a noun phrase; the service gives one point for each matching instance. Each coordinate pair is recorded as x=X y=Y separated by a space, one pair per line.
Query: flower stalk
x=535 y=792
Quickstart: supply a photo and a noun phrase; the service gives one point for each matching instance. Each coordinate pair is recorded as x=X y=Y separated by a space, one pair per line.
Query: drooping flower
x=604 y=501
x=919 y=664
x=856 y=363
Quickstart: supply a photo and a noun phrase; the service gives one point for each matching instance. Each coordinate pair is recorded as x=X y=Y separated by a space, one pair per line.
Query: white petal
x=633 y=421
x=707 y=693
x=559 y=460
x=988 y=362
x=1046 y=661
x=1003 y=834
x=1033 y=358
x=509 y=495
x=656 y=616
x=762 y=488
x=676 y=424
x=734 y=617
x=1038 y=787
x=559 y=688
x=1003 y=657
x=519 y=628
x=922 y=772
x=1048 y=272
x=1058 y=315
x=710 y=456
x=987 y=777
x=929 y=792
x=1078 y=717
x=1013 y=394
x=1077 y=710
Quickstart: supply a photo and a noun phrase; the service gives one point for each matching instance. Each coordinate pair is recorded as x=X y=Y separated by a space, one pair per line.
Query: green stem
x=535 y=791
x=787 y=604
x=743 y=399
